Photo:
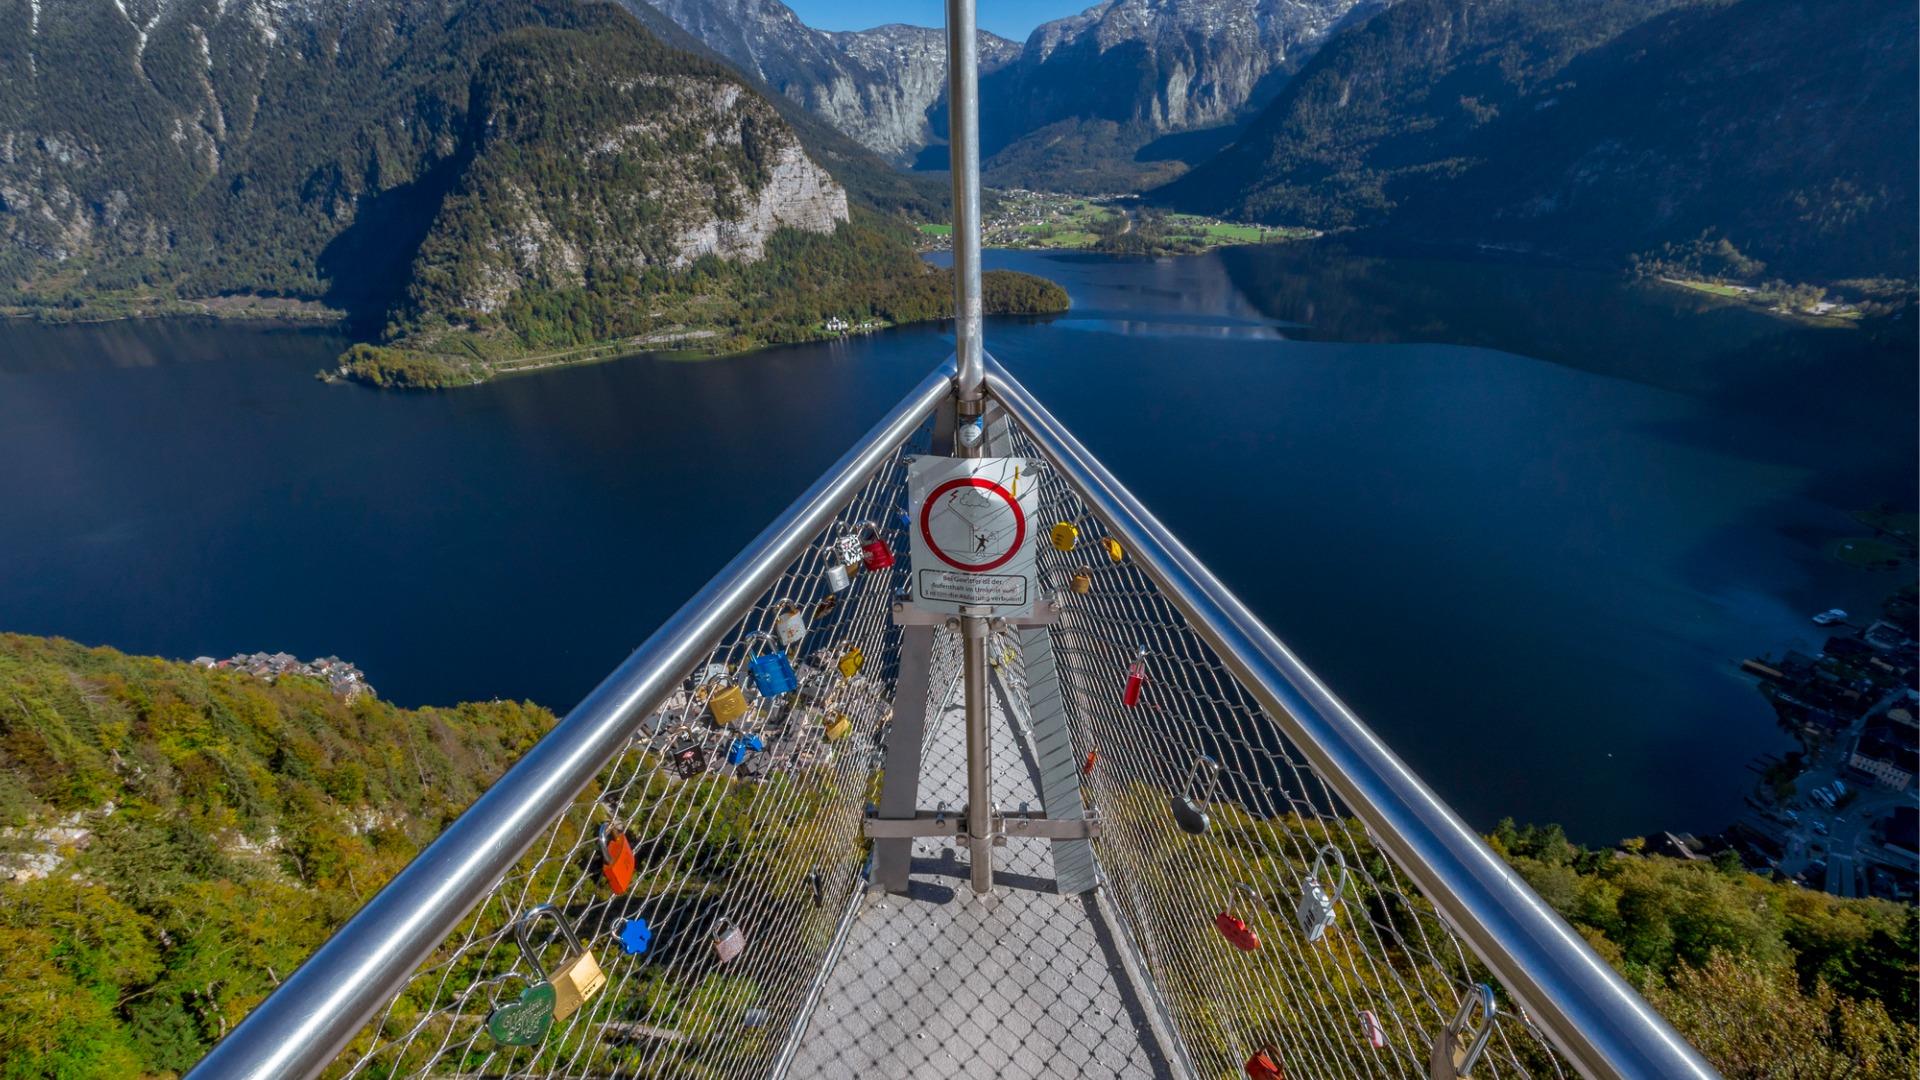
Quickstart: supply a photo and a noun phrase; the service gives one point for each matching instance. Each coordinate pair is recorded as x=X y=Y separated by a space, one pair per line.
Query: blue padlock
x=747 y=744
x=773 y=674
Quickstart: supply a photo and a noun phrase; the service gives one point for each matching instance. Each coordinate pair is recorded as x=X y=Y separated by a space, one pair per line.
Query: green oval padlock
x=526 y=1021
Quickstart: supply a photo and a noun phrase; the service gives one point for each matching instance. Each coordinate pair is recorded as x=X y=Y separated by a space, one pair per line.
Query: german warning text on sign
x=973 y=533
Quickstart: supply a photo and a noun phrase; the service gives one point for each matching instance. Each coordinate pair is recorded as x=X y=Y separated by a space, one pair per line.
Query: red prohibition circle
x=1019 y=522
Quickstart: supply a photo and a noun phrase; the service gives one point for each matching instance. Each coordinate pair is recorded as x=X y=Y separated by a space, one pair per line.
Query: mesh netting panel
x=752 y=827
x=1361 y=997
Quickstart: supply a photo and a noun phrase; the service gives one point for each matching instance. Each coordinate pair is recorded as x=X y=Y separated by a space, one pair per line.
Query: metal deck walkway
x=1019 y=984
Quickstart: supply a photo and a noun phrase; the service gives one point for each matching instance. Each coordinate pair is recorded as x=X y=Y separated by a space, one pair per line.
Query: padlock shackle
x=532 y=955
x=606 y=838
x=1213 y=784
x=1319 y=866
x=1482 y=996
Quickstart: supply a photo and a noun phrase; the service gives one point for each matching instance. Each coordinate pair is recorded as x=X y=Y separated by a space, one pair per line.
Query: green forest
x=192 y=834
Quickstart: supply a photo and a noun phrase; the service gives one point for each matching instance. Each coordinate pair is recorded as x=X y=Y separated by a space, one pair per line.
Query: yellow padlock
x=1113 y=548
x=1065 y=535
x=840 y=728
x=1082 y=581
x=850 y=663
x=727 y=705
x=577 y=978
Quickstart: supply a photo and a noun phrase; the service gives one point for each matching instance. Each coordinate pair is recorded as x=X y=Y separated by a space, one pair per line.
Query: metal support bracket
x=1005 y=825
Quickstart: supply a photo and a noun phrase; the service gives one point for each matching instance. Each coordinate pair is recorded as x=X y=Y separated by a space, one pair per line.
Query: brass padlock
x=727 y=704
x=850 y=663
x=1082 y=581
x=577 y=978
x=840 y=728
x=1113 y=548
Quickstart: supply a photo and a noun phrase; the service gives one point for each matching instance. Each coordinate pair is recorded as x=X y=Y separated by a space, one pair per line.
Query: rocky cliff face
x=875 y=85
x=331 y=150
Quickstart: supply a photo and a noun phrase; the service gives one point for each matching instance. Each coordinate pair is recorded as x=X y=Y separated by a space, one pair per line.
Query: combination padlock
x=616 y=858
x=772 y=672
x=1236 y=931
x=1265 y=1064
x=1064 y=536
x=1457 y=1049
x=1081 y=582
x=1190 y=806
x=874 y=552
x=577 y=978
x=1320 y=896
x=1136 y=680
x=728 y=941
x=790 y=626
x=851 y=662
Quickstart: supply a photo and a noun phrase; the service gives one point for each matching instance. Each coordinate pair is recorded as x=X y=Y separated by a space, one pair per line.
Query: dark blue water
x=1528 y=560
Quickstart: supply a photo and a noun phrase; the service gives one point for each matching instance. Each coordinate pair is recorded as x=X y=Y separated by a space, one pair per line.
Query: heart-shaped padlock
x=1235 y=930
x=524 y=1022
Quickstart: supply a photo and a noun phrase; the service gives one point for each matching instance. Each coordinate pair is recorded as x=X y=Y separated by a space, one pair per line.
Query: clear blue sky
x=1009 y=18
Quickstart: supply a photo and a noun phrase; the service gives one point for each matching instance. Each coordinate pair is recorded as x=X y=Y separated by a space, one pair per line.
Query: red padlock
x=1136 y=680
x=879 y=555
x=1265 y=1064
x=616 y=859
x=1093 y=756
x=1234 y=930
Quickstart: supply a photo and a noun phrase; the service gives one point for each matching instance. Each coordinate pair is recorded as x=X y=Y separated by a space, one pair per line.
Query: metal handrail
x=303 y=1025
x=1588 y=1011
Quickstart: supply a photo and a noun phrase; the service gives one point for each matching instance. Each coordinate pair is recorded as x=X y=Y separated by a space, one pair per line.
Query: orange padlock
x=1236 y=931
x=1093 y=758
x=616 y=858
x=1265 y=1064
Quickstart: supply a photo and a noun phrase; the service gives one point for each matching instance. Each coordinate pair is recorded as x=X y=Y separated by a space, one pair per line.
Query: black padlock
x=1189 y=812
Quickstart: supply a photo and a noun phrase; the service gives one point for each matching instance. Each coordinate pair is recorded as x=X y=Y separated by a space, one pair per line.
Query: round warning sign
x=972 y=524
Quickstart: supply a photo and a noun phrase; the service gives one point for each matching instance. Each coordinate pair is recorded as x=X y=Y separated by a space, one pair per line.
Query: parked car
x=1830 y=616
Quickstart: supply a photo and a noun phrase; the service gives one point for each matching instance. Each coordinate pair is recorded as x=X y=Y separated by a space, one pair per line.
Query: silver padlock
x=790 y=625
x=1189 y=808
x=1320 y=897
x=838 y=576
x=1457 y=1049
x=728 y=941
x=577 y=978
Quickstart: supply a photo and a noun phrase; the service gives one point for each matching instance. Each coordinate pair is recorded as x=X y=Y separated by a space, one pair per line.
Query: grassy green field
x=937 y=230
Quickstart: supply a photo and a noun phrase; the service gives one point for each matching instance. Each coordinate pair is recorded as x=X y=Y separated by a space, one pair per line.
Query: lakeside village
x=1023 y=219
x=346 y=681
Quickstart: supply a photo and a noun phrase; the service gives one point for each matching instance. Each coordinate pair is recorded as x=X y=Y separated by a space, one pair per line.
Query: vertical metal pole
x=963 y=139
x=963 y=135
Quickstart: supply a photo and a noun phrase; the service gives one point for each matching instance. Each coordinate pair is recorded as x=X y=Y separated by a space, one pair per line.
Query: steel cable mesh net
x=768 y=840
x=1364 y=999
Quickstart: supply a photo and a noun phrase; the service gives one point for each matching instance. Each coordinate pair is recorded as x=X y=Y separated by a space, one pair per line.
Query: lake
x=1525 y=521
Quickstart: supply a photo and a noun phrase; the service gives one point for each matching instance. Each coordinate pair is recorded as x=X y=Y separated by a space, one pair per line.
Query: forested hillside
x=471 y=181
x=1600 y=129
x=177 y=839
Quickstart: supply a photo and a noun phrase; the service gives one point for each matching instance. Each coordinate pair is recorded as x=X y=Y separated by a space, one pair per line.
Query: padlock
x=875 y=554
x=1064 y=536
x=1082 y=581
x=1265 y=1064
x=790 y=626
x=1093 y=758
x=728 y=941
x=1370 y=1025
x=687 y=762
x=850 y=662
x=524 y=1022
x=1136 y=680
x=616 y=858
x=1456 y=1050
x=849 y=548
x=838 y=579
x=1112 y=548
x=738 y=750
x=635 y=936
x=1235 y=930
x=772 y=671
x=819 y=882
x=1190 y=806
x=1319 y=898
x=841 y=727
x=577 y=978
x=825 y=607
x=727 y=703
